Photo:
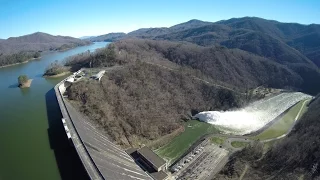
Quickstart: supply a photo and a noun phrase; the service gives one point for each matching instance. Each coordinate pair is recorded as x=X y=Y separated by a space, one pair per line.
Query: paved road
x=227 y=142
x=90 y=167
x=112 y=161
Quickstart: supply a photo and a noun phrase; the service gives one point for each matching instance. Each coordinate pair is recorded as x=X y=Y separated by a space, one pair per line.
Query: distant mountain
x=254 y=23
x=150 y=32
x=304 y=38
x=86 y=37
x=308 y=43
x=21 y=49
x=265 y=45
x=153 y=32
x=108 y=37
x=255 y=42
x=194 y=23
x=295 y=43
x=39 y=42
x=282 y=42
x=203 y=35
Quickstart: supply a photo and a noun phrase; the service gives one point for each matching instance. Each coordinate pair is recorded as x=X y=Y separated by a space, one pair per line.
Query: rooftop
x=159 y=175
x=99 y=74
x=152 y=157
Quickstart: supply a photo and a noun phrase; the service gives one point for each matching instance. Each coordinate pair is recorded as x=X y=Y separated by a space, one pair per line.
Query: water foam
x=254 y=116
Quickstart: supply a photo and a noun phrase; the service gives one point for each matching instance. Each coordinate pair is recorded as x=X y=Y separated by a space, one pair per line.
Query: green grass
x=218 y=140
x=268 y=145
x=238 y=144
x=282 y=126
x=193 y=131
x=301 y=177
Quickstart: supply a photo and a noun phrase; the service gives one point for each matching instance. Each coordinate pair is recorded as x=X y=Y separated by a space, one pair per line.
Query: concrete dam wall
x=101 y=158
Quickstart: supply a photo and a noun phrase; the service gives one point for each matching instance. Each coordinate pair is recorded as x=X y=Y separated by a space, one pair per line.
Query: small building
x=149 y=162
x=152 y=159
x=99 y=75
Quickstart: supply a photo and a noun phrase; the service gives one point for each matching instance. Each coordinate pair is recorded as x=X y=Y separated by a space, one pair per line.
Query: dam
x=101 y=158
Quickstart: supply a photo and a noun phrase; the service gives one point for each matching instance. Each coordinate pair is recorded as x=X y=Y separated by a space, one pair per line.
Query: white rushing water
x=254 y=116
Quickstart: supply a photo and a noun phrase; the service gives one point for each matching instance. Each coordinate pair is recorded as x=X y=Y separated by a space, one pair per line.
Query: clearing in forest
x=179 y=145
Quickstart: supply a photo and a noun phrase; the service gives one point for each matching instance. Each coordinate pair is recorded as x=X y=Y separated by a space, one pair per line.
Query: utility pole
x=90 y=66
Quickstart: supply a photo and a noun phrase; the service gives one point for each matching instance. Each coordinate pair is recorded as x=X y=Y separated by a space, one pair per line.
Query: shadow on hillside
x=68 y=161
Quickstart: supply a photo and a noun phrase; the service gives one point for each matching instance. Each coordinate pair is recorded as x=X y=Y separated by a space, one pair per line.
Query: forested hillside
x=304 y=38
x=17 y=58
x=141 y=102
x=150 y=32
x=231 y=66
x=108 y=37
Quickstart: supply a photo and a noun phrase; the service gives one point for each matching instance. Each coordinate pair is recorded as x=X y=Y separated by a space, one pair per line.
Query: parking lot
x=202 y=163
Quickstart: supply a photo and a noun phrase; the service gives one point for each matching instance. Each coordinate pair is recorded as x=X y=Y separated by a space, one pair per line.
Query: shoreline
x=20 y=62
x=47 y=51
x=57 y=75
x=26 y=85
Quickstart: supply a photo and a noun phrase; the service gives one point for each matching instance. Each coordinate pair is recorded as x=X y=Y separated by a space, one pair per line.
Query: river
x=33 y=144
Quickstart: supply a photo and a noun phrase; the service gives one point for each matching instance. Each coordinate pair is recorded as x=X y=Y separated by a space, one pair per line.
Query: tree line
x=17 y=57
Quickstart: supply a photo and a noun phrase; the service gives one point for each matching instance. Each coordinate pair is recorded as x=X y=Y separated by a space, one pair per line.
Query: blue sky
x=95 y=17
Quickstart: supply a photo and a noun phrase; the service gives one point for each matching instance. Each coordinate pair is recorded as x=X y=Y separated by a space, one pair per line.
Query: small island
x=24 y=81
x=56 y=69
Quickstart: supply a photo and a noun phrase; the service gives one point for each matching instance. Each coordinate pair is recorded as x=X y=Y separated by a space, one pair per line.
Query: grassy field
x=282 y=126
x=218 y=140
x=238 y=144
x=193 y=131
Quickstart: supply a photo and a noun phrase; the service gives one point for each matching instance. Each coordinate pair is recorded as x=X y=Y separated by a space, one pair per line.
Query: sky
x=96 y=17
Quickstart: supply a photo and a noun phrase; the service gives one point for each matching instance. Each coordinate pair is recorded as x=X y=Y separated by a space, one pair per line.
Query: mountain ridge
x=23 y=48
x=301 y=37
x=38 y=41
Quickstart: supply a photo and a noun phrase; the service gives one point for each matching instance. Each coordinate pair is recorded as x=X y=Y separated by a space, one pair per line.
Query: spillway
x=254 y=116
